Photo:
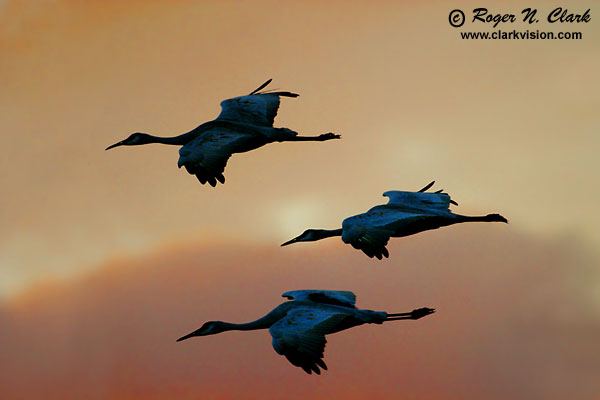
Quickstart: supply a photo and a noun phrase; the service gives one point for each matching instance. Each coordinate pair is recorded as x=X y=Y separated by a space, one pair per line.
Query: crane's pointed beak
x=294 y=240
x=189 y=335
x=114 y=145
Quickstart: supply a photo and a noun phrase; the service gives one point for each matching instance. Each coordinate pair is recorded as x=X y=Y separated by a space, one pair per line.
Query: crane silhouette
x=406 y=213
x=245 y=123
x=299 y=327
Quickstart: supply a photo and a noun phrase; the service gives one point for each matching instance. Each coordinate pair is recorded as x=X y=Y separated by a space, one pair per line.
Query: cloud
x=516 y=319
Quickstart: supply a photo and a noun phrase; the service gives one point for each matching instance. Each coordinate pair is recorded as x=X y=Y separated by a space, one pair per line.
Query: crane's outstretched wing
x=207 y=155
x=428 y=202
x=406 y=213
x=336 y=297
x=372 y=230
x=300 y=336
x=430 y=184
x=257 y=108
x=433 y=202
x=365 y=235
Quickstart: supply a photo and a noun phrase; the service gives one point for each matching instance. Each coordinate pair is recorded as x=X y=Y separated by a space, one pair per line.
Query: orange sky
x=516 y=318
x=503 y=126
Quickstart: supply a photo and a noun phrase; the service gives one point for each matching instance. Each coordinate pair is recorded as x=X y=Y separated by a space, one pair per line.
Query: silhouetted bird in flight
x=245 y=123
x=406 y=213
x=299 y=327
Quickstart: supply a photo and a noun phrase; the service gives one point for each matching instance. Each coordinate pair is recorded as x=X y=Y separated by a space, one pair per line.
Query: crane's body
x=299 y=327
x=406 y=213
x=244 y=124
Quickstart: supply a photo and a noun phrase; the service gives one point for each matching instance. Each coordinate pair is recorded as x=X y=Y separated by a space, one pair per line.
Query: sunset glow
x=108 y=257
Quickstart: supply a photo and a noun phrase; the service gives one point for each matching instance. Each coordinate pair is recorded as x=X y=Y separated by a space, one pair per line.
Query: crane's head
x=309 y=235
x=209 y=328
x=133 y=140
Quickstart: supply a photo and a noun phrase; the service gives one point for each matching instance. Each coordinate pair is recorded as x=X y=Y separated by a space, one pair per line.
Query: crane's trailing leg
x=414 y=314
x=320 y=138
x=483 y=218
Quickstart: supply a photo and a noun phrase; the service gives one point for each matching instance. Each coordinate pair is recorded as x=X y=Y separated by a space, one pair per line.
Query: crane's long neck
x=184 y=138
x=249 y=326
x=261 y=323
x=310 y=235
x=325 y=233
x=178 y=140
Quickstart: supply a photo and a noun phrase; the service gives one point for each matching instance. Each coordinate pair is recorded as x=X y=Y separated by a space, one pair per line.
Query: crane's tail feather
x=437 y=191
x=285 y=94
x=427 y=187
x=451 y=201
x=260 y=87
x=257 y=91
